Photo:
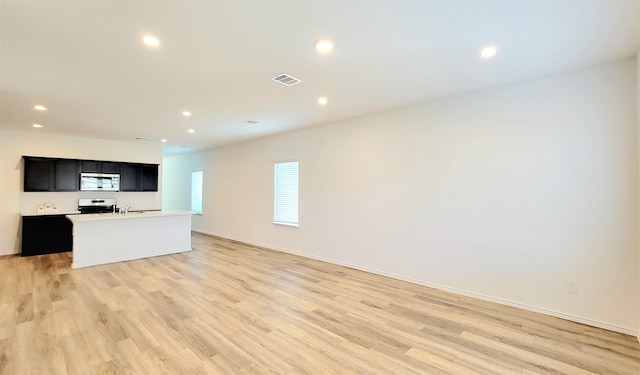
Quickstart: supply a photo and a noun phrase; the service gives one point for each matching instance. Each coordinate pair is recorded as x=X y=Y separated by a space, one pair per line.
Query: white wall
x=13 y=201
x=638 y=133
x=504 y=194
x=176 y=182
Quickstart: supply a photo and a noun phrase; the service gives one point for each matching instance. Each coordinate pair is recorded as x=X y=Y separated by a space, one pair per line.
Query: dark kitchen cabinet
x=50 y=174
x=46 y=234
x=44 y=174
x=129 y=177
x=92 y=166
x=67 y=176
x=149 y=177
x=39 y=174
x=109 y=167
x=138 y=177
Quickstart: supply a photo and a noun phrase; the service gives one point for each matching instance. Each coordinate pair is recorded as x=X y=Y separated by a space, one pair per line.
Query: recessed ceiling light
x=163 y=140
x=186 y=113
x=253 y=122
x=37 y=125
x=488 y=52
x=151 y=41
x=323 y=45
x=322 y=101
x=39 y=107
x=191 y=131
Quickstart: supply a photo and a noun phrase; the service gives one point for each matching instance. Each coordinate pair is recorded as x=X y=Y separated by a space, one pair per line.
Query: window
x=285 y=197
x=196 y=192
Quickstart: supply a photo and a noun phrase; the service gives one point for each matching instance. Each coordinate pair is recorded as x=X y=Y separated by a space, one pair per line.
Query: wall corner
x=638 y=182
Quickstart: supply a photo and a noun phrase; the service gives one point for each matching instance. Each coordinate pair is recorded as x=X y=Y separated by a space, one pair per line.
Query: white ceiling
x=85 y=61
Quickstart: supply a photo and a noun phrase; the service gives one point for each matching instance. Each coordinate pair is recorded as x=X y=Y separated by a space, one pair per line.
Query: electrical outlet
x=344 y=246
x=573 y=286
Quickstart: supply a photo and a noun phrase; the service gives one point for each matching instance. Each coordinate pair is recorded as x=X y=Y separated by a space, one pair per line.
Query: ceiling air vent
x=286 y=79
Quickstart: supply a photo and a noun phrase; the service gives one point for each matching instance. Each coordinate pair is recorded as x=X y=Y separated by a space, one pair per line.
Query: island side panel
x=119 y=239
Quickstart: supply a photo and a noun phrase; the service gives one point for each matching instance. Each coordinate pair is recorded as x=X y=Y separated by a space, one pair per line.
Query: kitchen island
x=108 y=238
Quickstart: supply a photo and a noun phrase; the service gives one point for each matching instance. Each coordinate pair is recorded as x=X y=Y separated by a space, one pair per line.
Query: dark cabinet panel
x=108 y=167
x=138 y=177
x=129 y=177
x=39 y=174
x=67 y=175
x=46 y=234
x=90 y=166
x=49 y=174
x=149 y=177
x=43 y=174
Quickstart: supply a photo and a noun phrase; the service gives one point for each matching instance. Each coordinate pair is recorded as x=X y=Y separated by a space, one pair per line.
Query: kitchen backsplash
x=68 y=201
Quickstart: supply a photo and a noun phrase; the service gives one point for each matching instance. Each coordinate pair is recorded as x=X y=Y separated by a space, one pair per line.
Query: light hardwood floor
x=230 y=308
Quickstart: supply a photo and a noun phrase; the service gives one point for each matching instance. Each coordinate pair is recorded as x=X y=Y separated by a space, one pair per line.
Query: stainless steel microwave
x=99 y=182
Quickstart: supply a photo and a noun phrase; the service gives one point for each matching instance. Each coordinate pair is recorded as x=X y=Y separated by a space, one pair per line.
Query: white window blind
x=285 y=197
x=196 y=192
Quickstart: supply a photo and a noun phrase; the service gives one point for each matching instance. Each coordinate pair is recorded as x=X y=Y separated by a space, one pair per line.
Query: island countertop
x=107 y=238
x=130 y=215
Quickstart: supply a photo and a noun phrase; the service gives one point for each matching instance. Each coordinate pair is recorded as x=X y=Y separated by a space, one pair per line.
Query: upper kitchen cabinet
x=45 y=174
x=138 y=177
x=92 y=166
x=67 y=177
x=39 y=174
x=149 y=177
x=50 y=174
x=130 y=177
x=109 y=167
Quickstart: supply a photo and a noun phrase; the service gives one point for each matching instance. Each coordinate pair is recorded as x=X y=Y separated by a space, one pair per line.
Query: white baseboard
x=3 y=253
x=574 y=318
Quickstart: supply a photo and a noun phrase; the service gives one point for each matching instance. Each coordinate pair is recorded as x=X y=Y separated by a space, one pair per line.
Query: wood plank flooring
x=231 y=308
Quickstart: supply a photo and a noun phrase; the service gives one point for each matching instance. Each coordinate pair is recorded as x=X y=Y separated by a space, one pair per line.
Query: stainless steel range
x=97 y=205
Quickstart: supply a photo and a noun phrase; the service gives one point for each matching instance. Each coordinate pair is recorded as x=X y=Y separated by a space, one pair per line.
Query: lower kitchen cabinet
x=46 y=234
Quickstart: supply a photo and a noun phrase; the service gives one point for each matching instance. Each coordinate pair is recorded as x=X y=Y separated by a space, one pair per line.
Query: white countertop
x=107 y=238
x=130 y=215
x=51 y=213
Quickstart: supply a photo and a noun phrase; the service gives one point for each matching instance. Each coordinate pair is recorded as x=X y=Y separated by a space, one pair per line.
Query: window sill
x=286 y=224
